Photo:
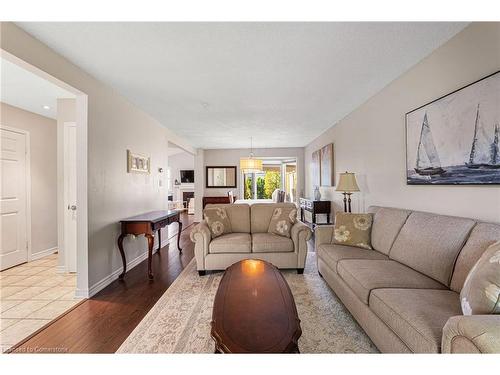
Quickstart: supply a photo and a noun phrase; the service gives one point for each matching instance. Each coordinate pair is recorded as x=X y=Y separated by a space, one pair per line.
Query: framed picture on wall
x=454 y=140
x=137 y=163
x=326 y=165
x=316 y=168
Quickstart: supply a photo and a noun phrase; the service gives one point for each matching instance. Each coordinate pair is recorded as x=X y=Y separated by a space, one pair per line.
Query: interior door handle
x=72 y=208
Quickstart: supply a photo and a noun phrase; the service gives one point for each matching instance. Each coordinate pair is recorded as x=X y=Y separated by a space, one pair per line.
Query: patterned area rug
x=180 y=321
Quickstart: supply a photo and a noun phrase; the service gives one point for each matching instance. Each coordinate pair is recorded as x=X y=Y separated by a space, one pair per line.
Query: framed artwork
x=454 y=140
x=138 y=163
x=326 y=165
x=316 y=168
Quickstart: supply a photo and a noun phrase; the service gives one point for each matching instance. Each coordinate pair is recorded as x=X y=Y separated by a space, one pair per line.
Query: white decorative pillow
x=481 y=291
x=282 y=221
x=217 y=221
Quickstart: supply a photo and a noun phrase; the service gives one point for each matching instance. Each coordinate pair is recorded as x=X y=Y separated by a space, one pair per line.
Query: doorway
x=277 y=173
x=43 y=156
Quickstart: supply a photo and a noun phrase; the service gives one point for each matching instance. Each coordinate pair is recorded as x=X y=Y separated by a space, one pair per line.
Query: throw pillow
x=217 y=221
x=282 y=221
x=481 y=291
x=353 y=229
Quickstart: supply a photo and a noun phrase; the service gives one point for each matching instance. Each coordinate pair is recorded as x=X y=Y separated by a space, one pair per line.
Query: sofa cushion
x=430 y=243
x=239 y=215
x=387 y=222
x=271 y=243
x=482 y=236
x=363 y=276
x=217 y=221
x=353 y=230
x=481 y=292
x=417 y=316
x=331 y=254
x=261 y=213
x=231 y=243
x=282 y=221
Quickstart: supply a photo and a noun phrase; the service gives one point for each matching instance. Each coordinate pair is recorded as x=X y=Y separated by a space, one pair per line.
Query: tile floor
x=33 y=294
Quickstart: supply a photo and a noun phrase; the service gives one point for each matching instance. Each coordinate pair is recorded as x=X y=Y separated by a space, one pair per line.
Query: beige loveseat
x=250 y=239
x=405 y=292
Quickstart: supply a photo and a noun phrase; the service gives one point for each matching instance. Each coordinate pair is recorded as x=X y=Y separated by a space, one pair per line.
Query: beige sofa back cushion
x=261 y=213
x=387 y=222
x=239 y=216
x=482 y=236
x=430 y=243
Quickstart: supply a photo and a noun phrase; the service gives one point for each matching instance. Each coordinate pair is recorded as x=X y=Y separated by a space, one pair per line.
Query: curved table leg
x=122 y=253
x=151 y=241
x=179 y=236
x=159 y=240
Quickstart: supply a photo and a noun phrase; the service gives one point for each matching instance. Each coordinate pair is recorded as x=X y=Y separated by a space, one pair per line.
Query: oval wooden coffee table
x=254 y=311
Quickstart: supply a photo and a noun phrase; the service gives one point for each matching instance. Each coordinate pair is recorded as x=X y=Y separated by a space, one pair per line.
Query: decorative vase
x=317 y=194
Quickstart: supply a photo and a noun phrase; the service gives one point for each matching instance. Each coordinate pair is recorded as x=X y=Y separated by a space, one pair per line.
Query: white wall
x=370 y=141
x=178 y=162
x=114 y=125
x=231 y=157
x=43 y=164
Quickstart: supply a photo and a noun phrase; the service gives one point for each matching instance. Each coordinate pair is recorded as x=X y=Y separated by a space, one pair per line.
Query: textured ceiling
x=217 y=84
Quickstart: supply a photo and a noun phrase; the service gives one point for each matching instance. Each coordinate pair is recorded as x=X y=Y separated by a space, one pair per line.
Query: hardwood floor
x=101 y=323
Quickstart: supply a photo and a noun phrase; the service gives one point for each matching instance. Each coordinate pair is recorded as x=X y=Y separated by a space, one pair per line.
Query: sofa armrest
x=201 y=237
x=323 y=235
x=472 y=334
x=300 y=234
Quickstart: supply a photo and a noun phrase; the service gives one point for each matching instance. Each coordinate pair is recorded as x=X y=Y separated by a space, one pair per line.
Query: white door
x=13 y=198
x=70 y=196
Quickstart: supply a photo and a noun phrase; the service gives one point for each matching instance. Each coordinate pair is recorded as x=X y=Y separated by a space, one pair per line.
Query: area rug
x=180 y=321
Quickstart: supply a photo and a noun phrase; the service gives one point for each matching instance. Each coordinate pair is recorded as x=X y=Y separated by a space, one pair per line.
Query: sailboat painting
x=455 y=140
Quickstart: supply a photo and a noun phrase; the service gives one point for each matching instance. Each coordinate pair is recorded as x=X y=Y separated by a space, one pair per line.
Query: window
x=276 y=174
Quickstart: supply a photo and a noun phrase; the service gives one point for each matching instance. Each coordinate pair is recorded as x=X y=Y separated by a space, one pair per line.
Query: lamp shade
x=347 y=182
x=250 y=164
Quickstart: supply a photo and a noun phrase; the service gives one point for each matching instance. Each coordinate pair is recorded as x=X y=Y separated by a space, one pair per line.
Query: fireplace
x=187 y=195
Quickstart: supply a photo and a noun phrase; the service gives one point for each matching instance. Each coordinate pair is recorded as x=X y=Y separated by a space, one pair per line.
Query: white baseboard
x=43 y=253
x=103 y=283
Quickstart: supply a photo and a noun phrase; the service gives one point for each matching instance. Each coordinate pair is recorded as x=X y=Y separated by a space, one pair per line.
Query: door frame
x=82 y=279
x=27 y=181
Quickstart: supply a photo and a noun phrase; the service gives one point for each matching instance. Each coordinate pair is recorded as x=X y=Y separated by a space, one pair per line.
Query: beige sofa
x=405 y=292
x=250 y=240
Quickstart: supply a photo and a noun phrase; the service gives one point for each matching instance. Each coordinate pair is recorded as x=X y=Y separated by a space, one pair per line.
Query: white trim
x=43 y=253
x=81 y=162
x=28 y=184
x=103 y=283
x=61 y=269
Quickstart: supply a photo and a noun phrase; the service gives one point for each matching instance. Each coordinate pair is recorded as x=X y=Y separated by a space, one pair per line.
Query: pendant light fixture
x=250 y=164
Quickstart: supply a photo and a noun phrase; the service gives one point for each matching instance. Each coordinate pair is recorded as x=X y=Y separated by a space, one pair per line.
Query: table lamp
x=347 y=185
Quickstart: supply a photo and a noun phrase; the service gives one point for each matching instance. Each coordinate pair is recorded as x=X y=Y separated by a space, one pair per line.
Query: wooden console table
x=315 y=207
x=147 y=224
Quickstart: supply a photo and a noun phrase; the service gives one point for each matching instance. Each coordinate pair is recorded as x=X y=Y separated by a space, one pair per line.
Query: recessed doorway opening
x=43 y=217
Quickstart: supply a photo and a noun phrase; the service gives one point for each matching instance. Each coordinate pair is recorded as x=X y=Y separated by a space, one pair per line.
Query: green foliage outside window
x=260 y=188
x=248 y=187
x=272 y=182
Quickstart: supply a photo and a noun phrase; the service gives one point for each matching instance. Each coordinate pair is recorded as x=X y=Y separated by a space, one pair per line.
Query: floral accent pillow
x=353 y=230
x=481 y=291
x=217 y=221
x=282 y=221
